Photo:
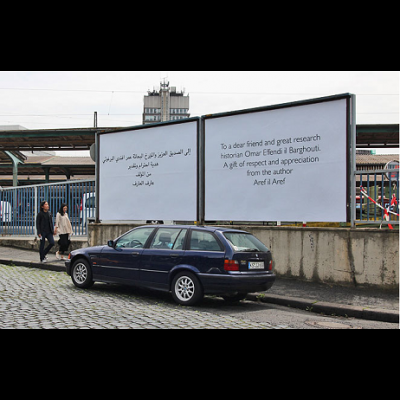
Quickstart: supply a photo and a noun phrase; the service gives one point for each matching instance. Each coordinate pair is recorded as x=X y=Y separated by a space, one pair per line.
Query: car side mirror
x=110 y=243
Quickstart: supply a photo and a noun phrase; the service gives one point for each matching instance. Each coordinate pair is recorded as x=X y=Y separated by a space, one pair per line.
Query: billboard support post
x=353 y=168
x=201 y=171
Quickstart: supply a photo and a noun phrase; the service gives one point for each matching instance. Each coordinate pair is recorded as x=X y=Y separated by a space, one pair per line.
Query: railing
x=377 y=197
x=20 y=205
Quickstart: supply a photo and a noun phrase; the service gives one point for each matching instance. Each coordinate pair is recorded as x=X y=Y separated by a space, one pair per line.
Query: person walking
x=64 y=228
x=45 y=229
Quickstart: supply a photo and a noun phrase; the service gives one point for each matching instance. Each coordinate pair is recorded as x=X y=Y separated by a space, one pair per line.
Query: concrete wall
x=33 y=243
x=101 y=233
x=363 y=257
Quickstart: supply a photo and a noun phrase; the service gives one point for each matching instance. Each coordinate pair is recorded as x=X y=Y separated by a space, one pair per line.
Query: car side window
x=204 y=241
x=169 y=238
x=135 y=239
x=180 y=240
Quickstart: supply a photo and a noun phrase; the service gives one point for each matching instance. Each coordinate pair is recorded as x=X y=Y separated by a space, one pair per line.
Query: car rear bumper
x=236 y=282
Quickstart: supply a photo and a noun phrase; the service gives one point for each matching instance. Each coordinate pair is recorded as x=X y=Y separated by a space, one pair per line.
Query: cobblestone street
x=34 y=298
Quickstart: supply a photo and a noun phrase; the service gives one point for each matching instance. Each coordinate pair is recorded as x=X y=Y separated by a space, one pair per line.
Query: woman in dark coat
x=45 y=229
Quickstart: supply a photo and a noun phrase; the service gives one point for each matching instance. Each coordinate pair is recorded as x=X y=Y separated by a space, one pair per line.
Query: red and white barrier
x=385 y=211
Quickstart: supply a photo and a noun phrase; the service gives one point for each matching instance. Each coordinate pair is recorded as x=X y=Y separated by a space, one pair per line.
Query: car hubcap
x=80 y=273
x=184 y=288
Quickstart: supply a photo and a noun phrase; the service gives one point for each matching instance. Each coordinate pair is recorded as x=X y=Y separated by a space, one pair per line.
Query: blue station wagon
x=188 y=261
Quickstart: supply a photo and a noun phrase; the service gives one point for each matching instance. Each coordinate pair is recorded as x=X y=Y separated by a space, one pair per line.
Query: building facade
x=165 y=105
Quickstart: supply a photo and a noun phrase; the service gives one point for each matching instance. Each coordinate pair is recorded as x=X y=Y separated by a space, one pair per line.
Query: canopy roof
x=49 y=139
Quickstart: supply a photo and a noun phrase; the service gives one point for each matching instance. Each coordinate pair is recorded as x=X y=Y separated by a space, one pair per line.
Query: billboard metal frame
x=142 y=127
x=201 y=138
x=350 y=148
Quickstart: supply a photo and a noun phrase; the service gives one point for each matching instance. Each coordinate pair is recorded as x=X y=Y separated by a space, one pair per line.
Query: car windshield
x=244 y=242
x=134 y=239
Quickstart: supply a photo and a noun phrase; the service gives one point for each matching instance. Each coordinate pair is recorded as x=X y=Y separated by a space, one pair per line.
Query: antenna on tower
x=164 y=84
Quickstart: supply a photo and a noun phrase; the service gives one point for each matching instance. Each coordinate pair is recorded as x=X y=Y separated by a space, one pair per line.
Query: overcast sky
x=47 y=99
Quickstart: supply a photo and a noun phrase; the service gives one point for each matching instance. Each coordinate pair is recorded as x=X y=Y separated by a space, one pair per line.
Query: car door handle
x=174 y=255
x=135 y=253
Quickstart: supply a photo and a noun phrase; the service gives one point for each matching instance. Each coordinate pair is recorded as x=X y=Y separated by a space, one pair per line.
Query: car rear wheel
x=186 y=289
x=81 y=274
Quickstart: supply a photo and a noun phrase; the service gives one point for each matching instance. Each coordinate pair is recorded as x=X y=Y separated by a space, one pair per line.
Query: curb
x=374 y=314
x=31 y=264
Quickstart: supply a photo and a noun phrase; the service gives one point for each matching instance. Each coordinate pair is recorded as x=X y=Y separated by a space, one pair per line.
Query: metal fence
x=20 y=205
x=377 y=197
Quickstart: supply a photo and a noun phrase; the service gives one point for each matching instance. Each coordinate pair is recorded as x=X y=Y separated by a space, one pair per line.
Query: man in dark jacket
x=45 y=229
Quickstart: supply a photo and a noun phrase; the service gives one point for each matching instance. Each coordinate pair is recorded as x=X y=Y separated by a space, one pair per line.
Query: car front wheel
x=186 y=289
x=81 y=274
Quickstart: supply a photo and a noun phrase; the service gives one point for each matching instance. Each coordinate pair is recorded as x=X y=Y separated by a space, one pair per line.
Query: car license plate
x=256 y=264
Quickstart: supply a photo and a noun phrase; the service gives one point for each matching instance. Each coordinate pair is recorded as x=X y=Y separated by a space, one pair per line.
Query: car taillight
x=270 y=266
x=231 y=265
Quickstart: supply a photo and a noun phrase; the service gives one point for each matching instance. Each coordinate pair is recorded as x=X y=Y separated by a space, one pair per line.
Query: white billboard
x=283 y=164
x=149 y=173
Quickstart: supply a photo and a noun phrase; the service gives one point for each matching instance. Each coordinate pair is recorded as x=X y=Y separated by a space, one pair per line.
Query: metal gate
x=377 y=197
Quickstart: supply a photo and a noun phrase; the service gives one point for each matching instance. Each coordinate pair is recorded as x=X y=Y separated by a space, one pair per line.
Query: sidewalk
x=315 y=297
